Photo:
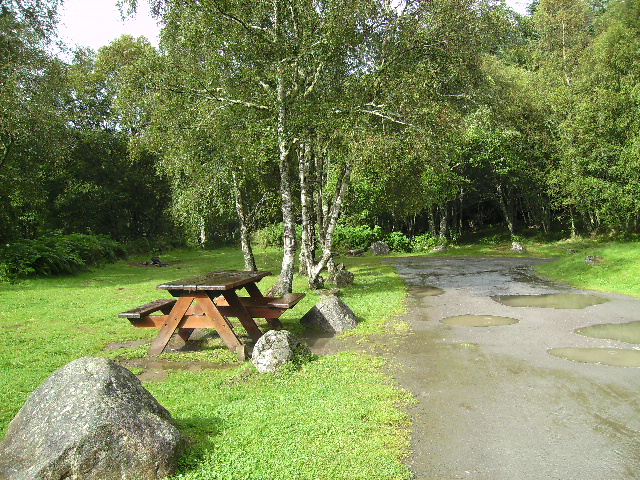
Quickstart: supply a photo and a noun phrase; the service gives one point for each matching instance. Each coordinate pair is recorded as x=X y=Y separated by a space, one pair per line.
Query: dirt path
x=492 y=403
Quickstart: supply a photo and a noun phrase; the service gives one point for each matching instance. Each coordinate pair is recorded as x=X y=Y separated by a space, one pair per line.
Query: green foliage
x=398 y=242
x=350 y=238
x=56 y=255
x=272 y=235
x=425 y=242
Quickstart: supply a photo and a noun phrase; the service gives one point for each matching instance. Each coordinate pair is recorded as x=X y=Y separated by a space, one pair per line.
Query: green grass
x=619 y=270
x=336 y=417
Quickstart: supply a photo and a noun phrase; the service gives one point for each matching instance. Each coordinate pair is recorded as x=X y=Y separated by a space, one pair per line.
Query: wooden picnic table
x=207 y=301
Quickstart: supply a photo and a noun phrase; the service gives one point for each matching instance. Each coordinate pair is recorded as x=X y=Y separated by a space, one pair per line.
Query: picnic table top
x=219 y=280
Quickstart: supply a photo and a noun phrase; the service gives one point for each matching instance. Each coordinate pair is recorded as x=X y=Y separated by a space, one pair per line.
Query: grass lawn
x=617 y=271
x=337 y=417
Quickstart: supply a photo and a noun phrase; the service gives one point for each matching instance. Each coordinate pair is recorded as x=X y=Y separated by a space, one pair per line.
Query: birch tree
x=276 y=58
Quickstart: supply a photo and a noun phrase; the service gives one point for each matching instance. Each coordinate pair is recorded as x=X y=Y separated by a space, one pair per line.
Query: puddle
x=615 y=357
x=550 y=300
x=425 y=291
x=623 y=332
x=479 y=321
x=157 y=369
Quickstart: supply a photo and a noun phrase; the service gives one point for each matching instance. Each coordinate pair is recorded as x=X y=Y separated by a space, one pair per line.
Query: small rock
x=357 y=252
x=331 y=315
x=517 y=247
x=343 y=279
x=439 y=249
x=592 y=260
x=275 y=348
x=380 y=248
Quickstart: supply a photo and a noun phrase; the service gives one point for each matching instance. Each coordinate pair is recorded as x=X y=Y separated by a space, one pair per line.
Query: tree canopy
x=436 y=117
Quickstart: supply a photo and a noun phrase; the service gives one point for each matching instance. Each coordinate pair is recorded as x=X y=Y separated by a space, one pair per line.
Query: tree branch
x=208 y=94
x=254 y=29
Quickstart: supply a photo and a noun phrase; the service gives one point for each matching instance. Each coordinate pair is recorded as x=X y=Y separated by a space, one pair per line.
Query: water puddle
x=550 y=300
x=425 y=291
x=479 y=321
x=614 y=357
x=623 y=332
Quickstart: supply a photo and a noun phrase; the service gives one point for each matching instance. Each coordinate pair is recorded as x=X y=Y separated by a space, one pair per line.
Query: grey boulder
x=275 y=348
x=92 y=419
x=330 y=314
x=380 y=248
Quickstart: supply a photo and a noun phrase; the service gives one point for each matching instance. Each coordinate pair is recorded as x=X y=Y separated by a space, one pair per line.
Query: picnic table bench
x=208 y=301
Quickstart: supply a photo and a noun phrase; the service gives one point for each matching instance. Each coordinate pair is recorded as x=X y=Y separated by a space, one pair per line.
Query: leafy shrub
x=399 y=242
x=56 y=255
x=495 y=239
x=350 y=238
x=154 y=246
x=272 y=235
x=425 y=242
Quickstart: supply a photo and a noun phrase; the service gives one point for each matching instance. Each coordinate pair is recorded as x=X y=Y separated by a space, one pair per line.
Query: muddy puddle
x=479 y=320
x=157 y=369
x=615 y=357
x=571 y=301
x=623 y=332
x=425 y=291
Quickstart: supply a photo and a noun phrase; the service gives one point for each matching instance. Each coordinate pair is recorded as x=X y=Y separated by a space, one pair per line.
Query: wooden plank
x=285 y=302
x=162 y=304
x=215 y=281
x=169 y=327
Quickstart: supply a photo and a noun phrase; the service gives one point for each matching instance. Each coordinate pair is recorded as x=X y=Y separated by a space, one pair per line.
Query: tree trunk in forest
x=506 y=210
x=245 y=228
x=331 y=221
x=444 y=222
x=432 y=221
x=308 y=244
x=285 y=281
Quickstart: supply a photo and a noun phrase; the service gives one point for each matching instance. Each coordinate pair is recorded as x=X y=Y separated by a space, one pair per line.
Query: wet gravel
x=491 y=401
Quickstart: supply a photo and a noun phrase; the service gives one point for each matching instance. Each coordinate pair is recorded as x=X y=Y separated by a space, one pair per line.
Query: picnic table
x=208 y=301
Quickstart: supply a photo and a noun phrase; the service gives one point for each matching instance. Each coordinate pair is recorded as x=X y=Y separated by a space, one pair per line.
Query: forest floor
x=493 y=402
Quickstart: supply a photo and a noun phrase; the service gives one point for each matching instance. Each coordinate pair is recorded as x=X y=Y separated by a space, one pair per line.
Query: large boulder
x=380 y=248
x=91 y=420
x=331 y=315
x=275 y=348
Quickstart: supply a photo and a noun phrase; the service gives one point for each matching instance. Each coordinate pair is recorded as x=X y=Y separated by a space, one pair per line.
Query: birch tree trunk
x=245 y=228
x=285 y=281
x=308 y=245
x=331 y=222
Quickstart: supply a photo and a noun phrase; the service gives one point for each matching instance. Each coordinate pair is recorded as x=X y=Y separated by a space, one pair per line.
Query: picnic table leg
x=254 y=292
x=220 y=322
x=245 y=319
x=173 y=320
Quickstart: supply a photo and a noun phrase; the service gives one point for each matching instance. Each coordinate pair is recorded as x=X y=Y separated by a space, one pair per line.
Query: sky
x=95 y=23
